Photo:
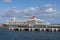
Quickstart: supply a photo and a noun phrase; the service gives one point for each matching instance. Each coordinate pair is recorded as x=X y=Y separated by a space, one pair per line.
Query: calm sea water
x=5 y=34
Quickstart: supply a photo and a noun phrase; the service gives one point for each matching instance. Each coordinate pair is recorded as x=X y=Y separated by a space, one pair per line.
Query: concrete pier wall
x=36 y=29
x=51 y=27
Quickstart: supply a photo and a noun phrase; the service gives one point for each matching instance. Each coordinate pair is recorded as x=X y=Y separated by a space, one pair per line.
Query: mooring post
x=22 y=29
x=19 y=29
x=57 y=29
x=29 y=29
x=33 y=29
x=53 y=29
x=40 y=29
x=9 y=28
x=44 y=29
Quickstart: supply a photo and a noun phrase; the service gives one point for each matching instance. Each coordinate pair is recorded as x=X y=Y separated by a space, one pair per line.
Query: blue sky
x=47 y=10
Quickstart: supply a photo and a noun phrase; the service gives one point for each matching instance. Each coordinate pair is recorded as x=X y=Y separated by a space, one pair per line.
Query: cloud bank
x=46 y=12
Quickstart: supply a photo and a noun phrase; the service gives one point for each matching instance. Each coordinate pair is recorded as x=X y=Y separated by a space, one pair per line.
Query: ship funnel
x=32 y=18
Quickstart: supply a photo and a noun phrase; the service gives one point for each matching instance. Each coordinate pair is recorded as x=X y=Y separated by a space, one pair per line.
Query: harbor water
x=5 y=34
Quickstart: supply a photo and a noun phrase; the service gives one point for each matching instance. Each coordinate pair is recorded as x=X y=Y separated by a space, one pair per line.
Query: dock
x=50 y=28
x=36 y=29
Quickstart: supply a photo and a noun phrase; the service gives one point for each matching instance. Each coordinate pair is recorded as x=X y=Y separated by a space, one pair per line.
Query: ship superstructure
x=32 y=22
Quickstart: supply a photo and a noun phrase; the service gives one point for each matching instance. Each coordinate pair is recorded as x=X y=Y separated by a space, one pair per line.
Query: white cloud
x=30 y=10
x=50 y=10
x=7 y=1
x=44 y=11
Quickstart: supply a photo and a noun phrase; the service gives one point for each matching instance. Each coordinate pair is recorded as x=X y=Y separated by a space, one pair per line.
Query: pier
x=36 y=29
x=50 y=28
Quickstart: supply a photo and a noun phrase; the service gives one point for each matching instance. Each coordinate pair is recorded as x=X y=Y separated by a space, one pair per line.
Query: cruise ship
x=31 y=22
